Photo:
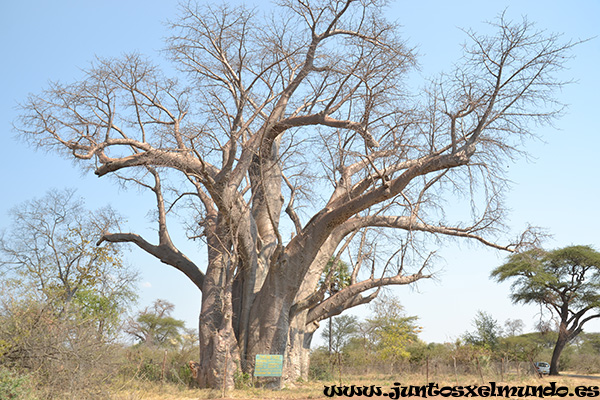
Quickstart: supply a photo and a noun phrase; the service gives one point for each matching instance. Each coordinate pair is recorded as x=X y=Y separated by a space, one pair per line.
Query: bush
x=62 y=348
x=242 y=380
x=13 y=386
x=586 y=363
x=320 y=366
x=156 y=364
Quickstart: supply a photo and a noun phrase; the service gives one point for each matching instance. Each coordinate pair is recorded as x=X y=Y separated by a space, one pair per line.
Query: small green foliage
x=242 y=380
x=335 y=278
x=13 y=386
x=339 y=331
x=320 y=365
x=487 y=332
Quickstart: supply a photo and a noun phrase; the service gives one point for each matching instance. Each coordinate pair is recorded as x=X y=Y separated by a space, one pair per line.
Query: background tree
x=526 y=347
x=566 y=281
x=391 y=331
x=338 y=334
x=513 y=327
x=302 y=115
x=333 y=280
x=50 y=250
x=163 y=345
x=487 y=332
x=386 y=336
x=62 y=298
x=154 y=326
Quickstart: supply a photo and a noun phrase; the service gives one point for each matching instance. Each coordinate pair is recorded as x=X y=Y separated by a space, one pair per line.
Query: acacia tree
x=300 y=112
x=566 y=281
x=155 y=326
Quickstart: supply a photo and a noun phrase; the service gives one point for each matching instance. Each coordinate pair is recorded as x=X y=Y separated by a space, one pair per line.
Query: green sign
x=268 y=365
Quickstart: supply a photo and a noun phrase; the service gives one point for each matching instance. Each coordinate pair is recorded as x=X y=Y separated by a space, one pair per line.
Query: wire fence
x=432 y=370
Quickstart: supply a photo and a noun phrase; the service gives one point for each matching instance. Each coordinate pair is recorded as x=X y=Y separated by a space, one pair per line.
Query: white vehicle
x=542 y=367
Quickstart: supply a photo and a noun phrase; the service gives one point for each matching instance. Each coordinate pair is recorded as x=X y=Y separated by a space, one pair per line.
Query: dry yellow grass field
x=314 y=390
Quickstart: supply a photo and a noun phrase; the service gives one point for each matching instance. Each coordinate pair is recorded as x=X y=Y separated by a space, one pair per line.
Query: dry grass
x=314 y=390
x=154 y=391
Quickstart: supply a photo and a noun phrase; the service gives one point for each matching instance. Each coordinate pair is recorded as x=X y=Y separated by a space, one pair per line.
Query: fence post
x=479 y=368
x=455 y=370
x=537 y=372
x=164 y=364
x=225 y=372
x=340 y=366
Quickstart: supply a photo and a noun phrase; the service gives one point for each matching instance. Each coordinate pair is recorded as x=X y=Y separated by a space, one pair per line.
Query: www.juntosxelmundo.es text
x=433 y=389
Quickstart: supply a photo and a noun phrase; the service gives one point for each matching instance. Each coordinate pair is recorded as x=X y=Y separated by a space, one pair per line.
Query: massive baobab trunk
x=293 y=143
x=219 y=348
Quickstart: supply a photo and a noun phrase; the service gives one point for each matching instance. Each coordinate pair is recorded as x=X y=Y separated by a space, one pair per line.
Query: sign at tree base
x=268 y=365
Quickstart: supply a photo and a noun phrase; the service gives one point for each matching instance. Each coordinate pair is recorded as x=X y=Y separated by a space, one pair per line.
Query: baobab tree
x=291 y=138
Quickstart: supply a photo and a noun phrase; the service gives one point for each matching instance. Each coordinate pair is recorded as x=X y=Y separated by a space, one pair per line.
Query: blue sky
x=558 y=188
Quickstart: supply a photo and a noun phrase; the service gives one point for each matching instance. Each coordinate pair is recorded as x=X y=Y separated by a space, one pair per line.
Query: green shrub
x=13 y=386
x=320 y=366
x=242 y=380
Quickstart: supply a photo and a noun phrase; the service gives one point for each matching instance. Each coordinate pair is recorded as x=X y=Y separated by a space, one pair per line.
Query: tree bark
x=219 y=350
x=298 y=351
x=561 y=342
x=270 y=320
